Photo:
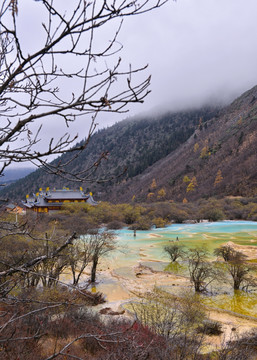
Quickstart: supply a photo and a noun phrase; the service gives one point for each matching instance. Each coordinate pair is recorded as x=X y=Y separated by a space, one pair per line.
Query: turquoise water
x=148 y=245
x=147 y=248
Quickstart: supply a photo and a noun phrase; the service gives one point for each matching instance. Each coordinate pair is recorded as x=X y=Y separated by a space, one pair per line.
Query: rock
x=109 y=311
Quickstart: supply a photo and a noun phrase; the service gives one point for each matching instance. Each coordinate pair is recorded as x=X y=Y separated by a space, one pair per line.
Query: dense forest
x=217 y=160
x=187 y=155
x=132 y=146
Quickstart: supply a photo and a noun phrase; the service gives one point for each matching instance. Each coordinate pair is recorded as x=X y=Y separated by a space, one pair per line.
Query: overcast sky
x=197 y=50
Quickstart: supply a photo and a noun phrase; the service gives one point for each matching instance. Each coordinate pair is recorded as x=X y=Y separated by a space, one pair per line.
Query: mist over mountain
x=133 y=145
x=190 y=154
x=219 y=159
x=13 y=174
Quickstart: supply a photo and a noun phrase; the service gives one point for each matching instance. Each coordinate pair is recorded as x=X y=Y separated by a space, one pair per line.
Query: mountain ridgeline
x=218 y=160
x=180 y=156
x=133 y=146
x=11 y=175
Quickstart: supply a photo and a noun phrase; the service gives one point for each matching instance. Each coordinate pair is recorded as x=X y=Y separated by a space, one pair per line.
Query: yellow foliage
x=161 y=194
x=128 y=213
x=150 y=196
x=190 y=187
x=159 y=222
x=218 y=178
x=153 y=185
x=186 y=179
x=204 y=152
x=194 y=181
x=192 y=184
x=253 y=211
x=196 y=147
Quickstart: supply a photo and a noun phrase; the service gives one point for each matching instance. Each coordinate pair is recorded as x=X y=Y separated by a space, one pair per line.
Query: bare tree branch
x=33 y=85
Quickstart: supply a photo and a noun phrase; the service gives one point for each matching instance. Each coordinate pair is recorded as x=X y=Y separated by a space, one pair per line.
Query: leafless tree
x=225 y=251
x=240 y=271
x=175 y=321
x=62 y=77
x=34 y=79
x=237 y=268
x=38 y=85
x=175 y=251
x=239 y=348
x=201 y=270
x=100 y=244
x=80 y=255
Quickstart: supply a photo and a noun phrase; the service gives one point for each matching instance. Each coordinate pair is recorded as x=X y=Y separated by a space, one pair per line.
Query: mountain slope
x=221 y=159
x=190 y=155
x=134 y=144
x=13 y=174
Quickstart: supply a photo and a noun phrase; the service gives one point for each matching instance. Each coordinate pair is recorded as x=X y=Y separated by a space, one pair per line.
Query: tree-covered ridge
x=138 y=143
x=14 y=174
x=219 y=159
x=133 y=144
x=190 y=155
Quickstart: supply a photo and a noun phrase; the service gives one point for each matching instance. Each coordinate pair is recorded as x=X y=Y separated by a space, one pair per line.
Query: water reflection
x=238 y=301
x=176 y=268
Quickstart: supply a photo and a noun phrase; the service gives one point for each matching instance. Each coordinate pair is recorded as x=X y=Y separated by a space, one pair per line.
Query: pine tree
x=186 y=179
x=161 y=194
x=218 y=178
x=196 y=147
x=192 y=185
x=153 y=185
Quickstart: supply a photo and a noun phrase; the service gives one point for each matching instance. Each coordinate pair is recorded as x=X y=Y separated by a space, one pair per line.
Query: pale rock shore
x=144 y=281
x=250 y=251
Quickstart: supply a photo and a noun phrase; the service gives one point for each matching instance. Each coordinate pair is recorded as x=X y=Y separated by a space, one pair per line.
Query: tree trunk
x=93 y=269
x=237 y=284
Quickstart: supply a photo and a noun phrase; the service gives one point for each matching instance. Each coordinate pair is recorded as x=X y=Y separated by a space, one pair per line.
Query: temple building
x=14 y=208
x=45 y=201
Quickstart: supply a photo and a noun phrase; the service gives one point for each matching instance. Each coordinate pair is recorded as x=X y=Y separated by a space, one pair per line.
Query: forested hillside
x=219 y=159
x=133 y=144
x=13 y=174
x=179 y=156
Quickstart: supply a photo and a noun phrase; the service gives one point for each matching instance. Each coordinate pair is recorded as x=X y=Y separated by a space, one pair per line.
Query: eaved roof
x=44 y=199
x=65 y=194
x=11 y=206
x=40 y=201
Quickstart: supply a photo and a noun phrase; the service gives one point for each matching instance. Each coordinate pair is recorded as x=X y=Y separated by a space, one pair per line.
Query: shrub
x=115 y=225
x=143 y=223
x=212 y=214
x=159 y=222
x=210 y=327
